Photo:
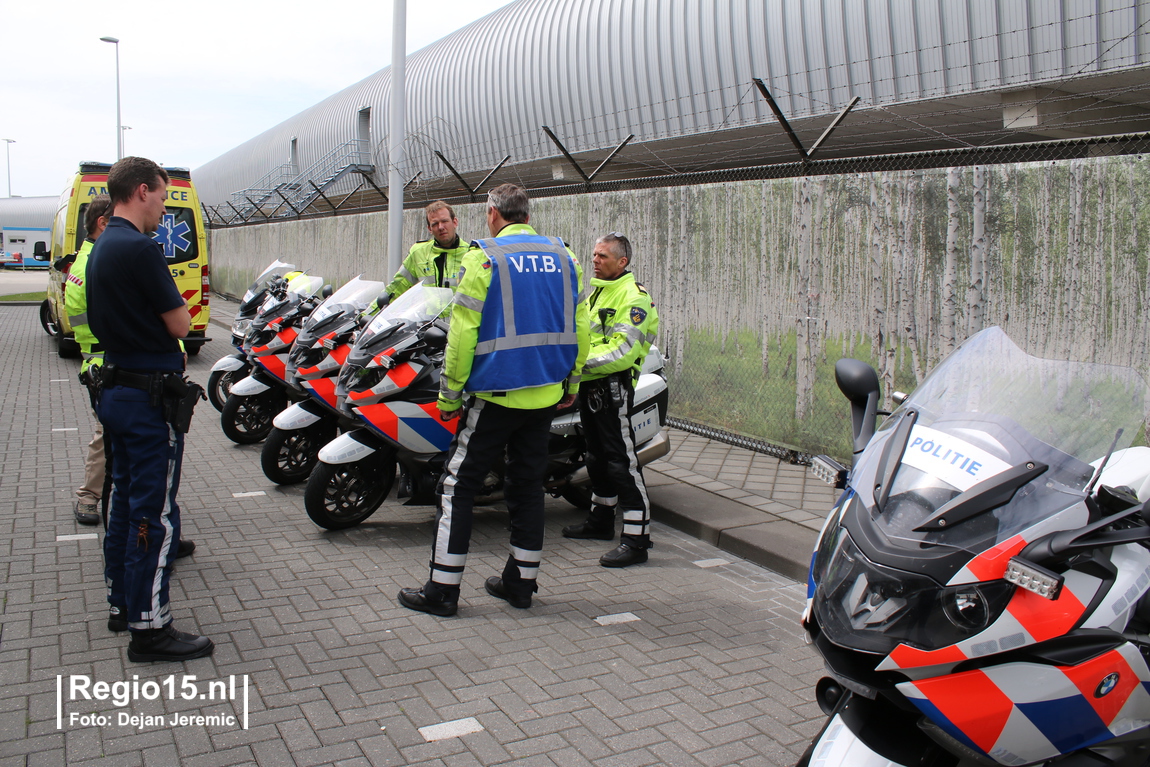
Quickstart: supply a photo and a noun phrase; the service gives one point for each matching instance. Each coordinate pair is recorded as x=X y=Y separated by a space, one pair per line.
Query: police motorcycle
x=390 y=383
x=980 y=593
x=233 y=367
x=253 y=401
x=322 y=345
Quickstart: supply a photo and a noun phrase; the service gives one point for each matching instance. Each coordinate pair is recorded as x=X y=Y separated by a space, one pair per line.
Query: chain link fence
x=765 y=276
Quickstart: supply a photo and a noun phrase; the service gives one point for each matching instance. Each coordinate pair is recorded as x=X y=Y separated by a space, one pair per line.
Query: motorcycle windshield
x=305 y=285
x=351 y=299
x=421 y=303
x=984 y=417
x=276 y=269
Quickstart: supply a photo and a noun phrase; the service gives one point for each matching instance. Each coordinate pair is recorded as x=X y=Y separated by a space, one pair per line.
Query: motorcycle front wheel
x=289 y=456
x=220 y=385
x=247 y=420
x=342 y=495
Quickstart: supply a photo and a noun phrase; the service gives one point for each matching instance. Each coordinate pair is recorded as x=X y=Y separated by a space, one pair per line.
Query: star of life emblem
x=172 y=235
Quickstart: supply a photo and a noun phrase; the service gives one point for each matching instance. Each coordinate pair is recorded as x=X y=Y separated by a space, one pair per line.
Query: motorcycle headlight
x=305 y=356
x=240 y=327
x=966 y=607
x=356 y=378
x=259 y=338
x=873 y=608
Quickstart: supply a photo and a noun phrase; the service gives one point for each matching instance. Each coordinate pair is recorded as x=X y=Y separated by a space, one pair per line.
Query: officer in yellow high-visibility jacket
x=88 y=495
x=517 y=341
x=434 y=262
x=623 y=327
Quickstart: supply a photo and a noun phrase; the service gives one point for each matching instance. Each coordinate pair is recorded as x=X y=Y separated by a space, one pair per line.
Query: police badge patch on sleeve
x=637 y=315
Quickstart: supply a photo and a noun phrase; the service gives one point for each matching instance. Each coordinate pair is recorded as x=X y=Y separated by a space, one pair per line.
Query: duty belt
x=626 y=377
x=120 y=377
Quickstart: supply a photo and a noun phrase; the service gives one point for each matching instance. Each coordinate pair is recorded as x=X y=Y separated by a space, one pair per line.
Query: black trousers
x=486 y=431
x=616 y=478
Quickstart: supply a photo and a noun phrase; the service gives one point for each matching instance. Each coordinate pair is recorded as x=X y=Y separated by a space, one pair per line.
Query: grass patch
x=722 y=384
x=36 y=295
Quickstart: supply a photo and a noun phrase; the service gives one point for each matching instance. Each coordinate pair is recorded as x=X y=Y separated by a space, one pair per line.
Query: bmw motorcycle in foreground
x=979 y=592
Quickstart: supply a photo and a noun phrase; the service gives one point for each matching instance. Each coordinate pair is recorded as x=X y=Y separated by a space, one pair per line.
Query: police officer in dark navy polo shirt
x=138 y=314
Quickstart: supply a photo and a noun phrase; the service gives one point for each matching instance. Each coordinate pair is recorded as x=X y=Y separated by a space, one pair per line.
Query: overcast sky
x=196 y=78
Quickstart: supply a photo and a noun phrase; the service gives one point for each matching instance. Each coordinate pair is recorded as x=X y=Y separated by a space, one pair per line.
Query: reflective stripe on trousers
x=479 y=443
x=612 y=463
x=143 y=517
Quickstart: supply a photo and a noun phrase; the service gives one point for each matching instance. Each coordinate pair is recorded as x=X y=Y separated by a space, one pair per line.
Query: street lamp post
x=124 y=143
x=8 y=160
x=119 y=129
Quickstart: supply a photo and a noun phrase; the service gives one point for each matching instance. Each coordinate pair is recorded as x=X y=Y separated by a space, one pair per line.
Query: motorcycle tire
x=289 y=456
x=220 y=385
x=578 y=496
x=46 y=318
x=248 y=420
x=339 y=496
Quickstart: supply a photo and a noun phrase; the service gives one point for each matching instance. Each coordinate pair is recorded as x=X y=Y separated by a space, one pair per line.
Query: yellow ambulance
x=180 y=234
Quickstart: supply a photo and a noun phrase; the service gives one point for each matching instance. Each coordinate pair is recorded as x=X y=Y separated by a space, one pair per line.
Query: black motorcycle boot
x=431 y=598
x=512 y=587
x=117 y=618
x=184 y=549
x=496 y=587
x=167 y=644
x=599 y=526
x=624 y=555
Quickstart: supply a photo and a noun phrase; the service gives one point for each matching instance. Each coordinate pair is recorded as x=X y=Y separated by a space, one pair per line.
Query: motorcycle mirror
x=858 y=382
x=327 y=291
x=435 y=337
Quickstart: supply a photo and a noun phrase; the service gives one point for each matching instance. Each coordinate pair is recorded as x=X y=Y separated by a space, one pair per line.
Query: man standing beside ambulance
x=89 y=494
x=139 y=315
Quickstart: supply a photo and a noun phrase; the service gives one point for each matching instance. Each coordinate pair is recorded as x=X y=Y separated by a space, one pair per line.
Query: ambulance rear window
x=81 y=232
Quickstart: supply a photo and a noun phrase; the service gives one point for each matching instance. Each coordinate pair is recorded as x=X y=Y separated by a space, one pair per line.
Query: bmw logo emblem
x=1106 y=686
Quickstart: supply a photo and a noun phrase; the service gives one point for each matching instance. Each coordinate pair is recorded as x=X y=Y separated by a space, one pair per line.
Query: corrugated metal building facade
x=678 y=75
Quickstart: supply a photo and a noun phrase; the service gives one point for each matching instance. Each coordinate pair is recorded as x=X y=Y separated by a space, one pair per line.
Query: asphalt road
x=15 y=281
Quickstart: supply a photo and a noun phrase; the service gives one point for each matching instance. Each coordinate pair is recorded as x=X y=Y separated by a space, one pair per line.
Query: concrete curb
x=777 y=544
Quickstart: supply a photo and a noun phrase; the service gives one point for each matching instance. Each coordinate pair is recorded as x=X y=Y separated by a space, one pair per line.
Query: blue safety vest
x=527 y=332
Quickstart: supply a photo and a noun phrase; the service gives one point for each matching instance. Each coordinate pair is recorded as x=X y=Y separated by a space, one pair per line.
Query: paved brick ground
x=712 y=672
x=778 y=489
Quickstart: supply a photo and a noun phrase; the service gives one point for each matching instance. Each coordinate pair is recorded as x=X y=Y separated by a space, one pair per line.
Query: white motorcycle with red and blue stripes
x=979 y=592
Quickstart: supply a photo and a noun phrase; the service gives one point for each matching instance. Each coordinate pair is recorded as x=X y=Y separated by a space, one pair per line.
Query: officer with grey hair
x=623 y=326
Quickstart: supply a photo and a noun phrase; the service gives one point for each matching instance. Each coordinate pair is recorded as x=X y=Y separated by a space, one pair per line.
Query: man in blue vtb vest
x=519 y=337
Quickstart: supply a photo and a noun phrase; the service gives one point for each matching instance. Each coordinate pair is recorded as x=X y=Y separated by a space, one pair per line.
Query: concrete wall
x=762 y=285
